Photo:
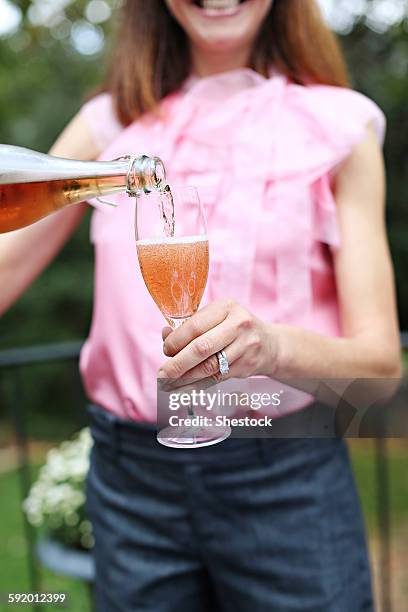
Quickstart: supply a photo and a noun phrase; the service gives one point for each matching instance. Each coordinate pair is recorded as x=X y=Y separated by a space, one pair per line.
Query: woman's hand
x=248 y=342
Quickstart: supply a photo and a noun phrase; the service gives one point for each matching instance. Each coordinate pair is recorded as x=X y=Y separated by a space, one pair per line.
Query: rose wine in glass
x=173 y=252
x=175 y=271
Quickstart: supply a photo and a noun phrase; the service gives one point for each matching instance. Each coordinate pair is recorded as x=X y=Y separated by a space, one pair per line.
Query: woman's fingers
x=204 y=320
x=193 y=346
x=198 y=350
x=166 y=331
x=210 y=368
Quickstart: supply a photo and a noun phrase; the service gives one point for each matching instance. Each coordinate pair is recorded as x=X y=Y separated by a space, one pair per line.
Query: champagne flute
x=173 y=251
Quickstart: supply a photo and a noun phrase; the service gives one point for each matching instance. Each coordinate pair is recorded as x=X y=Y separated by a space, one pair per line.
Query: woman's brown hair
x=152 y=57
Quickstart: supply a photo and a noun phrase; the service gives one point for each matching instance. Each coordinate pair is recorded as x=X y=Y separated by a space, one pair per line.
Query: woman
x=255 y=111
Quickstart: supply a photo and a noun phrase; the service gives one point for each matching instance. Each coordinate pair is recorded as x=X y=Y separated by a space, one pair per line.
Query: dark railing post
x=19 y=424
x=383 y=497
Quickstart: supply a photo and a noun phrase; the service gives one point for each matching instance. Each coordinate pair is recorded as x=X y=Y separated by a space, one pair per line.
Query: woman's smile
x=220 y=8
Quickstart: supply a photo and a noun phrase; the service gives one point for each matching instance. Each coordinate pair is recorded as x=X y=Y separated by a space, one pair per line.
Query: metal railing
x=12 y=362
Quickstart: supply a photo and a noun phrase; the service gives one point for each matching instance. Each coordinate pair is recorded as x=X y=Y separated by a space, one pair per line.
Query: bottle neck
x=134 y=175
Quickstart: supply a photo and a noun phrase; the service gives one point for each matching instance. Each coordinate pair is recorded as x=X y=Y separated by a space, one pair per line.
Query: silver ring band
x=223 y=363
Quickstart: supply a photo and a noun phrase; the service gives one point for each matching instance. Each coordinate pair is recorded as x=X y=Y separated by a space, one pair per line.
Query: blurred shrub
x=56 y=501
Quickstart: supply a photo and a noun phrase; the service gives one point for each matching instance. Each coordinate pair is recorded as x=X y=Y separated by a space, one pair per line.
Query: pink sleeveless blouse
x=262 y=153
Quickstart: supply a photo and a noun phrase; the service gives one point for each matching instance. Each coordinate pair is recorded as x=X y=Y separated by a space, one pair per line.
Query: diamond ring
x=223 y=363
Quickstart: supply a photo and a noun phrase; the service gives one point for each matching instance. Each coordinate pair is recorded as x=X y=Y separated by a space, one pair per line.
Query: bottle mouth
x=159 y=172
x=145 y=174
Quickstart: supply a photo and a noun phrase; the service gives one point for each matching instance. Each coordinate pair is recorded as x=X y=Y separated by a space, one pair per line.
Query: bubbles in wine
x=175 y=272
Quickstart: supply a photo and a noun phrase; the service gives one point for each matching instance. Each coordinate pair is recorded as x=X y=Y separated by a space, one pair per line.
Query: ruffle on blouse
x=257 y=148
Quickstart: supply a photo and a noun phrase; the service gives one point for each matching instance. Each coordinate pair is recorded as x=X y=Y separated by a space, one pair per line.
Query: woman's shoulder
x=311 y=129
x=342 y=114
x=102 y=120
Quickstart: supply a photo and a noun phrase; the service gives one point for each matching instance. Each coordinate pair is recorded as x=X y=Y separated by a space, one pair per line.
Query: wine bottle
x=34 y=185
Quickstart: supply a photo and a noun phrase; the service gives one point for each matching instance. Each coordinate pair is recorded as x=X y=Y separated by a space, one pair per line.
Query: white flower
x=72 y=519
x=87 y=540
x=85 y=527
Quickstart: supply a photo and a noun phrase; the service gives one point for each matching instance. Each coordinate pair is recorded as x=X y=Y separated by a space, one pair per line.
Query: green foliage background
x=43 y=82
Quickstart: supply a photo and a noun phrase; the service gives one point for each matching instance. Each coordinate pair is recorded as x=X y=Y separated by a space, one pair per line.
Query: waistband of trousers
x=138 y=439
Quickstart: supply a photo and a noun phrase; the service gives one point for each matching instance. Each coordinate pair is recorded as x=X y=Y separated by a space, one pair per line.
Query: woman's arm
x=369 y=347
x=26 y=252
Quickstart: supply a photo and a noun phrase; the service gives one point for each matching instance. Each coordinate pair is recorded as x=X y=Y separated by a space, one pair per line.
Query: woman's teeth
x=218 y=4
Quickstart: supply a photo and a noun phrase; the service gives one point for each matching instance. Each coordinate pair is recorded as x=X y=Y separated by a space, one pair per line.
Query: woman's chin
x=220 y=45
x=216 y=40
